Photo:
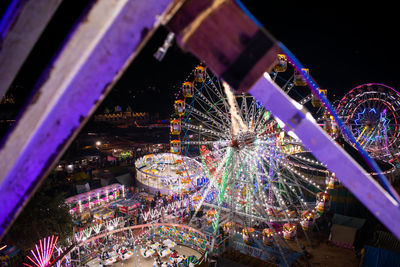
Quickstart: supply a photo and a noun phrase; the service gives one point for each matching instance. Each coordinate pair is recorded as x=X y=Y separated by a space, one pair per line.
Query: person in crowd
x=174 y=254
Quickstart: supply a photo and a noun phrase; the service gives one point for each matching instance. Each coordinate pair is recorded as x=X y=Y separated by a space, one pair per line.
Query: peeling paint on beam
x=91 y=61
x=20 y=28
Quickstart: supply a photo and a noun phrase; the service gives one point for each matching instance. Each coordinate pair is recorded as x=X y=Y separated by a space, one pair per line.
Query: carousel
x=168 y=173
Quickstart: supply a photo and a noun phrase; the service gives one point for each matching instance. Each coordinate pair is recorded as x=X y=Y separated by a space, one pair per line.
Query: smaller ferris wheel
x=372 y=113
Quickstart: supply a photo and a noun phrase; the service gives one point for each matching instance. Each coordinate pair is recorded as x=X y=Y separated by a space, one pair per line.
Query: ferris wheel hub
x=243 y=138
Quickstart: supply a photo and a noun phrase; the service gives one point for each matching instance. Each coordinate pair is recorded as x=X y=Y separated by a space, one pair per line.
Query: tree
x=46 y=214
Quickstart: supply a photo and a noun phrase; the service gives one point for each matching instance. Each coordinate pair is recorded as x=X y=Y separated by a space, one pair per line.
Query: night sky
x=343 y=47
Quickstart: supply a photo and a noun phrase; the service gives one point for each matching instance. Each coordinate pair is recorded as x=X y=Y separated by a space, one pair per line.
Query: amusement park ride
x=236 y=117
x=255 y=170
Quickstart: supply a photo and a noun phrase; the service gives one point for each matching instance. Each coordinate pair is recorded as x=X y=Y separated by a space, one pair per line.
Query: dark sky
x=343 y=47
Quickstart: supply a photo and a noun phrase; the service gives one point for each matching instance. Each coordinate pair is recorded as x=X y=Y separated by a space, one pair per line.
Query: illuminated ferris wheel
x=255 y=171
x=372 y=113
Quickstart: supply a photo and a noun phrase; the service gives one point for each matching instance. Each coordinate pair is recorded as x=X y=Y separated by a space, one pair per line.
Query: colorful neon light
x=372 y=137
x=43 y=252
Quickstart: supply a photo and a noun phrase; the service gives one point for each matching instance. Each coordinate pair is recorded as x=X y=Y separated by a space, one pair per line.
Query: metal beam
x=20 y=28
x=94 y=57
x=350 y=173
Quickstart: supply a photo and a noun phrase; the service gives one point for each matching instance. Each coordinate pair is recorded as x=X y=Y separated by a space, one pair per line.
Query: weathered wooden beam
x=20 y=28
x=236 y=48
x=226 y=39
x=94 y=57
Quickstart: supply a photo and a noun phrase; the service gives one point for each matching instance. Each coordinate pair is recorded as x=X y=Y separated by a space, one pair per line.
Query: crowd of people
x=147 y=202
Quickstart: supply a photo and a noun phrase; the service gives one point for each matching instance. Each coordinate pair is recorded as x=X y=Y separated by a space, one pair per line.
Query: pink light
x=43 y=253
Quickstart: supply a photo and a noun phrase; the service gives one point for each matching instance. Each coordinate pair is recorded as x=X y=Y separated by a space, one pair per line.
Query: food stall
x=104 y=214
x=92 y=199
x=128 y=206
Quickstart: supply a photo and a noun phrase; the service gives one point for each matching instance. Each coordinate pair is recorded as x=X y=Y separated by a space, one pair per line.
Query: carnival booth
x=128 y=206
x=104 y=214
x=82 y=218
x=90 y=200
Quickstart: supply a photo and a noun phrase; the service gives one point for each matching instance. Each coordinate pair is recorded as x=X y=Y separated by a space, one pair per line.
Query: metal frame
x=94 y=57
x=90 y=63
x=351 y=174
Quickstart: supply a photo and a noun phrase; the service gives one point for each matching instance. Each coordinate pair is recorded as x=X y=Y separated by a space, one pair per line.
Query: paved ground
x=148 y=262
x=325 y=254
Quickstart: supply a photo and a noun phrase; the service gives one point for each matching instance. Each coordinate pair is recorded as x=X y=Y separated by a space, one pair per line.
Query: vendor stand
x=128 y=206
x=95 y=198
x=104 y=214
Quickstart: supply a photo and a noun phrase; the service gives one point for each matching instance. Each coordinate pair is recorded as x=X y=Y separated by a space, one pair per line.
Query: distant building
x=122 y=117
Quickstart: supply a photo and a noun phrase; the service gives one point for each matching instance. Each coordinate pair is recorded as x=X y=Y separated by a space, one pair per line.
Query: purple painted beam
x=94 y=57
x=349 y=172
x=20 y=28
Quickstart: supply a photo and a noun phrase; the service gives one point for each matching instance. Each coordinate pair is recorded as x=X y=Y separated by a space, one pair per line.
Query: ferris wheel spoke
x=299 y=175
x=198 y=142
x=208 y=127
x=284 y=190
x=288 y=85
x=261 y=197
x=243 y=109
x=212 y=111
x=241 y=114
x=302 y=188
x=299 y=194
x=206 y=115
x=218 y=90
x=218 y=111
x=216 y=99
x=256 y=115
x=280 y=200
x=252 y=115
x=306 y=99
x=200 y=116
x=204 y=132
